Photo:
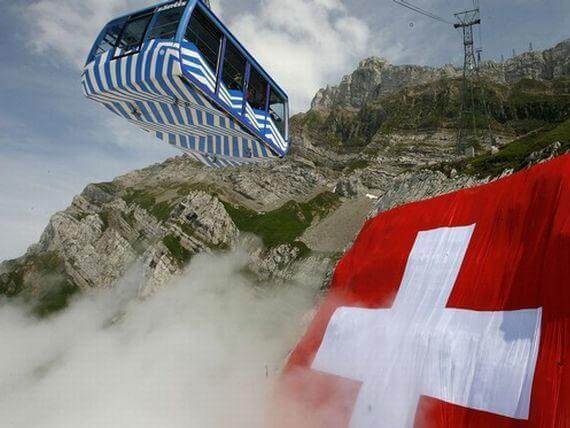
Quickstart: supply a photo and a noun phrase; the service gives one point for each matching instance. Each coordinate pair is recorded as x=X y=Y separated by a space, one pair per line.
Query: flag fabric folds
x=449 y=312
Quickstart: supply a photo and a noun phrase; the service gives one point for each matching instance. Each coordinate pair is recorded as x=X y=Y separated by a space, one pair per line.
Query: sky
x=53 y=142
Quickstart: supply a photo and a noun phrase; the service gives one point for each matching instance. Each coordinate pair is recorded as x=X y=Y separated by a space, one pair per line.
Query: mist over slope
x=147 y=302
x=203 y=352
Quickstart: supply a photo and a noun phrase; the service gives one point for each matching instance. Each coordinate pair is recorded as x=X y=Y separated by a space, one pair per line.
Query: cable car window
x=205 y=36
x=277 y=110
x=133 y=34
x=109 y=40
x=256 y=90
x=234 y=68
x=166 y=23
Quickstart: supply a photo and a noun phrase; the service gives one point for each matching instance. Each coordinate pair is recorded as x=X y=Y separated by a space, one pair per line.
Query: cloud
x=133 y=139
x=303 y=43
x=68 y=28
x=404 y=36
x=203 y=352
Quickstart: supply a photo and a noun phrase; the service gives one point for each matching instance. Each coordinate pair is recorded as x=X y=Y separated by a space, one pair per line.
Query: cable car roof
x=190 y=6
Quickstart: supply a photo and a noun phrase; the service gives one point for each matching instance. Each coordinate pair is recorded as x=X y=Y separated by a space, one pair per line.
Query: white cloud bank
x=303 y=43
x=201 y=353
x=68 y=28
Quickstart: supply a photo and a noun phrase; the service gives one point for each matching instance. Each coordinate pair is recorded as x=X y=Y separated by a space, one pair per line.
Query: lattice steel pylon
x=467 y=124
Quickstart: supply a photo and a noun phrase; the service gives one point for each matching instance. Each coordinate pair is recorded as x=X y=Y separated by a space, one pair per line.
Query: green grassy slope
x=516 y=109
x=514 y=155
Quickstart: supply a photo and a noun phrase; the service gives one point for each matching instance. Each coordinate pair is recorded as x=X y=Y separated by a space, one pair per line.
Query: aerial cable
x=424 y=12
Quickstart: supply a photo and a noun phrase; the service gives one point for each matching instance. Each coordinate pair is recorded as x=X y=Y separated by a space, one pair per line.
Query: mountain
x=381 y=138
x=550 y=64
x=375 y=77
x=525 y=93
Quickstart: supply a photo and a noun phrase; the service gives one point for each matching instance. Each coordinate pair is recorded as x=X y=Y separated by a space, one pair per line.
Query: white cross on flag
x=446 y=313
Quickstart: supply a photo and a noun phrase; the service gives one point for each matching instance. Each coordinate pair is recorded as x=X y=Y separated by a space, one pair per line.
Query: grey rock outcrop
x=376 y=77
x=204 y=221
x=419 y=185
x=545 y=65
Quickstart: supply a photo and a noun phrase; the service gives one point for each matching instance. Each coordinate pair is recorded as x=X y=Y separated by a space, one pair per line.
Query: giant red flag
x=450 y=312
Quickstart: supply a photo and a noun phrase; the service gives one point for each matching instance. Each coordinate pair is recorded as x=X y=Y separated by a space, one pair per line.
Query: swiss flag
x=450 y=312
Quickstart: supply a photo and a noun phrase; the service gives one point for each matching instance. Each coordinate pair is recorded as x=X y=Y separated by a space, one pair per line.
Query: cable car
x=176 y=71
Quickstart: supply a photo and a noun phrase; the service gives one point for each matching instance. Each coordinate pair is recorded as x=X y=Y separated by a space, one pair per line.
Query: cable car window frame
x=164 y=9
x=285 y=104
x=146 y=14
x=213 y=25
x=230 y=37
x=230 y=45
x=190 y=6
x=251 y=62
x=119 y=23
x=262 y=89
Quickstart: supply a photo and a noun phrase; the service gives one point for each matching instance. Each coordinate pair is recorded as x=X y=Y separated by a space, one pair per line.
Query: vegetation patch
x=355 y=164
x=183 y=189
x=12 y=282
x=54 y=298
x=105 y=219
x=143 y=199
x=312 y=119
x=514 y=155
x=147 y=201
x=44 y=272
x=187 y=229
x=285 y=224
x=108 y=187
x=523 y=107
x=561 y=85
x=161 y=211
x=304 y=251
x=319 y=127
x=180 y=254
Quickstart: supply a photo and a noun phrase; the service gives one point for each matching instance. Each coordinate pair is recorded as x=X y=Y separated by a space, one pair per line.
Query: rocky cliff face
x=527 y=93
x=376 y=77
x=549 y=64
x=299 y=214
x=290 y=216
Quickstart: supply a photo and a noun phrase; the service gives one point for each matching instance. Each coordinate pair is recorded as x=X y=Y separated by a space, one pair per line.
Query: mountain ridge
x=375 y=76
x=295 y=215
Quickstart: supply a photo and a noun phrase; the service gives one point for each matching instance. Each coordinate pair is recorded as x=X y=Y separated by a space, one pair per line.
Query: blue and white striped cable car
x=176 y=71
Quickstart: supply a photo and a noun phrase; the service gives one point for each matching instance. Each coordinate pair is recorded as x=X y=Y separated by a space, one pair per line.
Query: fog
x=204 y=351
